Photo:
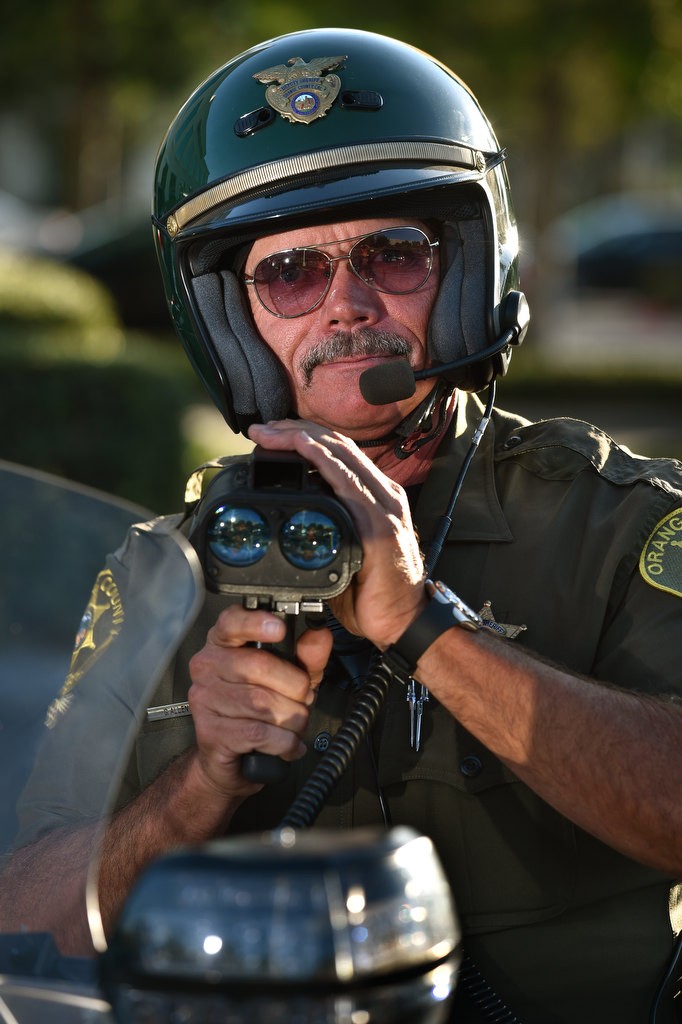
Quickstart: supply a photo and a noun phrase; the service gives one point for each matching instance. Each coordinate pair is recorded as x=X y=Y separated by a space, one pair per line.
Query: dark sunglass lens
x=397 y=261
x=292 y=282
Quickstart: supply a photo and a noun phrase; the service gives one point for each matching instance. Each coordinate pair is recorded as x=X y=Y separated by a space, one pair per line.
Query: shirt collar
x=478 y=514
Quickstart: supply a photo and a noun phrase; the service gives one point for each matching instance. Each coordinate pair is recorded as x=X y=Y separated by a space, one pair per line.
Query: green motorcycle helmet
x=317 y=127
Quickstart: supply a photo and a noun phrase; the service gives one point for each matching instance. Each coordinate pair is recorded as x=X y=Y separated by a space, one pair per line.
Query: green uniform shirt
x=550 y=528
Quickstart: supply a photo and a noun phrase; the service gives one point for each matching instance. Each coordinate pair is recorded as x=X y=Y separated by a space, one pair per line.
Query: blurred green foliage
x=80 y=398
x=563 y=80
x=114 y=426
x=49 y=307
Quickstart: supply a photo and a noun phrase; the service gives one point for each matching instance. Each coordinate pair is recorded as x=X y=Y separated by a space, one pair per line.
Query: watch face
x=462 y=614
x=438 y=591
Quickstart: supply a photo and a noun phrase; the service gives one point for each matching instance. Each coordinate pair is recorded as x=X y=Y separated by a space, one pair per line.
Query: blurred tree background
x=586 y=98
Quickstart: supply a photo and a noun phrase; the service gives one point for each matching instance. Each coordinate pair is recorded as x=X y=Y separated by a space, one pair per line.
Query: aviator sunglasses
x=292 y=282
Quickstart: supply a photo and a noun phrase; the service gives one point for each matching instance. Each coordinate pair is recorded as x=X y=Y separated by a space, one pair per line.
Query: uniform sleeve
x=142 y=604
x=640 y=644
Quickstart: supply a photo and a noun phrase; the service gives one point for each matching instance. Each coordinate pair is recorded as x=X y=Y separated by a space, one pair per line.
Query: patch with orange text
x=660 y=563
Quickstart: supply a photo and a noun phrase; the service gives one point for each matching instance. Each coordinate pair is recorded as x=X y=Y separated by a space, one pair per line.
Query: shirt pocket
x=509 y=856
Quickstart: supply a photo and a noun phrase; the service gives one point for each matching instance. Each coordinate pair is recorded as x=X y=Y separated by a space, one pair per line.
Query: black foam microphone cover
x=387 y=382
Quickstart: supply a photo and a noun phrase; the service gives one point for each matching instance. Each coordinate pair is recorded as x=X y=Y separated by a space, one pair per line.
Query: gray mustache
x=362 y=342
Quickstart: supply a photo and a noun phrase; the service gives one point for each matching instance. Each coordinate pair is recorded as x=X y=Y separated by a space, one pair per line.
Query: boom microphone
x=396 y=380
x=388 y=382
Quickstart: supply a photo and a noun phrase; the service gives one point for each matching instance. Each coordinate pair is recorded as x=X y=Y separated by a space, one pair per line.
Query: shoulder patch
x=101 y=622
x=660 y=563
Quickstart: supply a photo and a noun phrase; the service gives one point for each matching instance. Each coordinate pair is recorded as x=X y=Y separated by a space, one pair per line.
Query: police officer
x=336 y=236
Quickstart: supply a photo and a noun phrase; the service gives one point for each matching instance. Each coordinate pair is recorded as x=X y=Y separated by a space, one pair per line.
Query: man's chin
x=352 y=415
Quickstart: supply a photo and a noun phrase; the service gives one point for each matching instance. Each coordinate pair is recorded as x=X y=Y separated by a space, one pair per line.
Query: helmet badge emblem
x=304 y=91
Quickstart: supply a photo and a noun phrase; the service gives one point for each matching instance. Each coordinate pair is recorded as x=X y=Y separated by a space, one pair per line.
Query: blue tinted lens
x=238 y=536
x=310 y=539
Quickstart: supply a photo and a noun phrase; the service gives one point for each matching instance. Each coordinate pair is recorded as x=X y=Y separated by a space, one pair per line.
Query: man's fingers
x=249 y=700
x=254 y=718
x=236 y=626
x=313 y=650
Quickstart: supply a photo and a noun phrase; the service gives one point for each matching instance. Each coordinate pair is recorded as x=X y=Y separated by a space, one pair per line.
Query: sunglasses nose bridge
x=356 y=270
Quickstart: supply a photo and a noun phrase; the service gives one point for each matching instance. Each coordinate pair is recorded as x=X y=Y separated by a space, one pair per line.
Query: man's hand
x=387 y=593
x=247 y=699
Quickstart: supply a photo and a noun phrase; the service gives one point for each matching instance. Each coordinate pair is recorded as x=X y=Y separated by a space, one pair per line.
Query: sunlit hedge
x=47 y=308
x=79 y=397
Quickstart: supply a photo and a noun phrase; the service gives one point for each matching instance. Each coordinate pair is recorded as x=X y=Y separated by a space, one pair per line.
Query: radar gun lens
x=238 y=536
x=310 y=539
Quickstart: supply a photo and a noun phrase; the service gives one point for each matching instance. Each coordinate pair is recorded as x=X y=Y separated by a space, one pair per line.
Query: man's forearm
x=43 y=887
x=177 y=809
x=608 y=759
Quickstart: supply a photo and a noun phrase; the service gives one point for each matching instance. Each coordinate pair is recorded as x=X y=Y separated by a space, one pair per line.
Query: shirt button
x=471 y=766
x=512 y=442
x=322 y=741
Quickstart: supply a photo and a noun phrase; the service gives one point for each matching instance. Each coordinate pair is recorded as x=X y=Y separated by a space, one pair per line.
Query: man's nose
x=349 y=300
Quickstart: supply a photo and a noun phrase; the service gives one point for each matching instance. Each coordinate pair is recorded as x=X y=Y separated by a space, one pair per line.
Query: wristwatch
x=443 y=610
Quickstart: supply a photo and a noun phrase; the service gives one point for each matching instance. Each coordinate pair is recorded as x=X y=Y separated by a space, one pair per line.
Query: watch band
x=443 y=610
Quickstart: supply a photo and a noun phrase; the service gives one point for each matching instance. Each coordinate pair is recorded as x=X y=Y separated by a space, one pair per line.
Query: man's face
x=354 y=327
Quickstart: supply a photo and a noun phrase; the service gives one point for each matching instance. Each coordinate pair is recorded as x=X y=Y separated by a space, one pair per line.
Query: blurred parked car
x=628 y=243
x=121 y=255
x=113 y=245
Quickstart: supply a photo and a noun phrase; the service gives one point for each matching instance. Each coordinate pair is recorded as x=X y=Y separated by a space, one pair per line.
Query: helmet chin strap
x=418 y=427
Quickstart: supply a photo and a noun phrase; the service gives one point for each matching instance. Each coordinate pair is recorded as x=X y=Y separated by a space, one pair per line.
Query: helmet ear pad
x=256 y=378
x=459 y=324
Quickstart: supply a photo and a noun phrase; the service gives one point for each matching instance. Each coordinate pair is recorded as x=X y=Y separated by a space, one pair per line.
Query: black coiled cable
x=481 y=996
x=310 y=801
x=356 y=727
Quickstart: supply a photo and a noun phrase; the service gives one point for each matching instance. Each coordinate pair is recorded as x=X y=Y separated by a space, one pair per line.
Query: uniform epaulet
x=611 y=460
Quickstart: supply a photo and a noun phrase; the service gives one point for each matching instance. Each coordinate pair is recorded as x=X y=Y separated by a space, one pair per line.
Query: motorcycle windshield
x=322 y=930
x=95 y=599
